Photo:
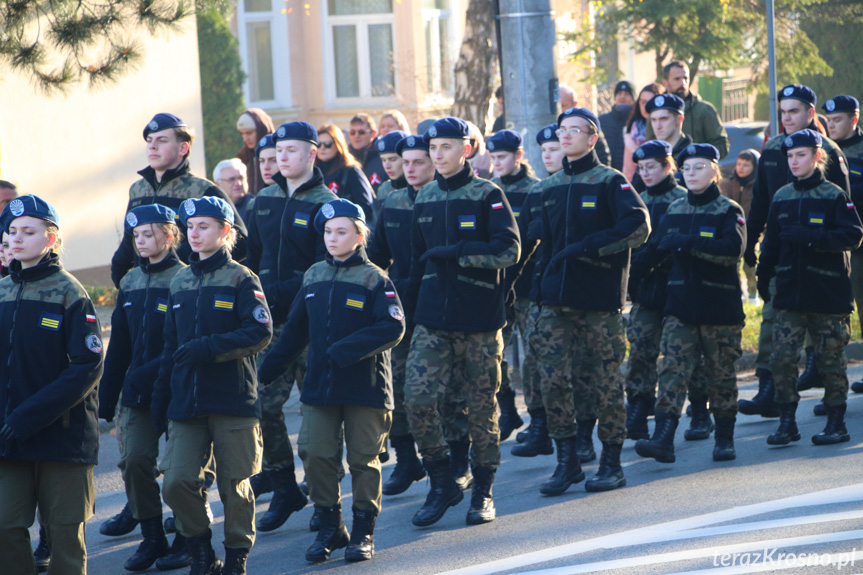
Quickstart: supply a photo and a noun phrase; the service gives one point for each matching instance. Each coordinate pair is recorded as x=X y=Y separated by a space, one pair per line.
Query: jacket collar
x=47 y=266
x=856 y=137
x=149 y=174
x=582 y=164
x=210 y=264
x=461 y=179
x=516 y=177
x=705 y=197
x=812 y=182
x=399 y=183
x=358 y=258
x=316 y=179
x=168 y=261
x=666 y=185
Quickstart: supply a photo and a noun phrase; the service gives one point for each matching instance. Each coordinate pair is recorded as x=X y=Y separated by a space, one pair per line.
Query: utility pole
x=527 y=41
x=771 y=67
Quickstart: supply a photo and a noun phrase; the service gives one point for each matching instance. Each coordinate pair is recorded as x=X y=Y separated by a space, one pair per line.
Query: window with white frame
x=263 y=38
x=437 y=23
x=359 y=49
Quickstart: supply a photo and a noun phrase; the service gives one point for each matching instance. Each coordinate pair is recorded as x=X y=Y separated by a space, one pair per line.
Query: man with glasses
x=363 y=136
x=231 y=177
x=591 y=218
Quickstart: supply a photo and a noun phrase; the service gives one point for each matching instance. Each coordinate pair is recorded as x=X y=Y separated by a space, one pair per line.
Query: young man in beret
x=168 y=180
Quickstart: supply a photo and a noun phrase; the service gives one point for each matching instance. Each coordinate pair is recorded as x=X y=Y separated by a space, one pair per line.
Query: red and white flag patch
x=497 y=206
x=390 y=293
x=259 y=294
x=91 y=318
x=741 y=220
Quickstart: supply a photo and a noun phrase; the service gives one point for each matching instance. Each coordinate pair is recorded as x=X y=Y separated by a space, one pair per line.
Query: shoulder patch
x=93 y=343
x=261 y=314
x=396 y=313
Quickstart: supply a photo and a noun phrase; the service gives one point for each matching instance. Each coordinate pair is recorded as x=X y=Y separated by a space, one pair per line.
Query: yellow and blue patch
x=467 y=222
x=706 y=231
x=355 y=301
x=816 y=219
x=301 y=220
x=162 y=306
x=588 y=203
x=516 y=210
x=224 y=302
x=50 y=321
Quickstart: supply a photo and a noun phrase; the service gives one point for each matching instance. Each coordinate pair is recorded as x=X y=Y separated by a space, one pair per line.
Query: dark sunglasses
x=358 y=132
x=327 y=145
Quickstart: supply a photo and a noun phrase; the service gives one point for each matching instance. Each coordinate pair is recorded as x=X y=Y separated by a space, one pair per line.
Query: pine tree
x=59 y=43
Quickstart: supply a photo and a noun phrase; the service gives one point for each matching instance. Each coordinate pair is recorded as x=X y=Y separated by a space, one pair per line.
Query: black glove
x=141 y=385
x=796 y=234
x=107 y=412
x=569 y=252
x=192 y=352
x=763 y=284
x=8 y=434
x=679 y=242
x=441 y=253
x=749 y=257
x=267 y=373
x=159 y=417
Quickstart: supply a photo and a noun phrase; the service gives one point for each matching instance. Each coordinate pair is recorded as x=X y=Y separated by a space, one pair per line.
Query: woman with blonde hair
x=391 y=121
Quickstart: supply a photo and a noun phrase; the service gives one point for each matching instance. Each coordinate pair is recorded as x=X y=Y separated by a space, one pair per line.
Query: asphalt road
x=773 y=509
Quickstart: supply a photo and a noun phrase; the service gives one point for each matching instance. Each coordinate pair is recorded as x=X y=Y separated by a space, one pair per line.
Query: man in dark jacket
x=614 y=122
x=363 y=135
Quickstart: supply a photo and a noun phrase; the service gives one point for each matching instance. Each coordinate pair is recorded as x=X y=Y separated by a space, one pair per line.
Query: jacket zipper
x=331 y=378
x=565 y=237
x=144 y=322
x=11 y=340
x=197 y=334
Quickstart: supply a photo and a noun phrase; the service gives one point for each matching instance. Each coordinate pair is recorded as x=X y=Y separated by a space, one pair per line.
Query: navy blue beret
x=504 y=141
x=264 y=143
x=28 y=205
x=162 y=122
x=338 y=208
x=841 y=104
x=668 y=102
x=705 y=151
x=798 y=92
x=411 y=143
x=302 y=131
x=207 y=207
x=388 y=144
x=547 y=134
x=652 y=149
x=149 y=214
x=581 y=113
x=803 y=139
x=624 y=86
x=448 y=127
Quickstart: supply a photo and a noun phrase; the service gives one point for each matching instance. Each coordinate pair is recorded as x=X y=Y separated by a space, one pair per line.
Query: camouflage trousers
x=399 y=361
x=278 y=453
x=683 y=347
x=435 y=361
x=516 y=320
x=644 y=332
x=764 y=358
x=830 y=334
x=530 y=367
x=596 y=341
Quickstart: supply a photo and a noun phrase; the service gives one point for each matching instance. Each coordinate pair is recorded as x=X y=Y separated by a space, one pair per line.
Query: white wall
x=81 y=151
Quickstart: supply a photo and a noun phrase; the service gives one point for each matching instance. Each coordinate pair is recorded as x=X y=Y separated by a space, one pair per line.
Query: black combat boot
x=584 y=439
x=121 y=524
x=443 y=493
x=459 y=453
x=204 y=560
x=835 y=431
x=610 y=474
x=637 y=411
x=701 y=424
x=261 y=483
x=857 y=387
x=723 y=447
x=820 y=408
x=235 y=561
x=170 y=524
x=787 y=431
x=538 y=442
x=333 y=535
x=763 y=403
x=568 y=470
x=408 y=467
x=509 y=420
x=661 y=446
x=42 y=554
x=481 y=504
x=810 y=377
x=362 y=544
x=315 y=521
x=522 y=435
x=177 y=557
x=154 y=545
x=287 y=498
